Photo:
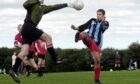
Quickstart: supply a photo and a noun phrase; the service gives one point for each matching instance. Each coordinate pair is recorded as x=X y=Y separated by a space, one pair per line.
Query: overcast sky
x=123 y=15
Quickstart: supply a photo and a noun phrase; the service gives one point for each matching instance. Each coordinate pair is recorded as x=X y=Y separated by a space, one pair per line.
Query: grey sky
x=123 y=15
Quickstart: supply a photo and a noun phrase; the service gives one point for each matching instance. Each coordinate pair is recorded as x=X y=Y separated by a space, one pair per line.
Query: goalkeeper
x=30 y=32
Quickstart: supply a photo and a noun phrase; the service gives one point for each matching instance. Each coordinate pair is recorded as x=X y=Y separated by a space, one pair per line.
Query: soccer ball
x=111 y=70
x=79 y=5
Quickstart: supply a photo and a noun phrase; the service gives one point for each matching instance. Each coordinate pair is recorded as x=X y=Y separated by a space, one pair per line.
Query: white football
x=78 y=4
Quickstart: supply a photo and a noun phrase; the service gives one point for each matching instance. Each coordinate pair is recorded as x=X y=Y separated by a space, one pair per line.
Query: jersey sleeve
x=50 y=8
x=85 y=25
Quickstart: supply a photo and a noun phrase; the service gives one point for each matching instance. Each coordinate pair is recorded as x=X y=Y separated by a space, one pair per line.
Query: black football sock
x=53 y=54
x=17 y=64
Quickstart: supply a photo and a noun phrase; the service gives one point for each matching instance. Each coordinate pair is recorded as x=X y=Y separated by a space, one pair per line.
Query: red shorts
x=94 y=46
x=91 y=44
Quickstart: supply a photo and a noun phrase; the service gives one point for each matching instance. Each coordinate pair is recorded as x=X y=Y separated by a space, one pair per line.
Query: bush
x=77 y=59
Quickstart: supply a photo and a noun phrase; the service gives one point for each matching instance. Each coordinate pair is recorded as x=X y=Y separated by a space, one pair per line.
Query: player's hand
x=104 y=19
x=73 y=27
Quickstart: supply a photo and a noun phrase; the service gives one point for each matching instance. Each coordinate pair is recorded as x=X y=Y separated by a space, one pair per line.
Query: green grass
x=116 y=77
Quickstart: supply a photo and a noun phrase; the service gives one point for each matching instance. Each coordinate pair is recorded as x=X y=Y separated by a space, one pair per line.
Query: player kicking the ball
x=30 y=32
x=93 y=39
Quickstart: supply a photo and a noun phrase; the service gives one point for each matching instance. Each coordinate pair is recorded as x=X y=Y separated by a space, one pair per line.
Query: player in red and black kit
x=18 y=37
x=117 y=61
x=30 y=60
x=36 y=50
x=41 y=48
x=93 y=39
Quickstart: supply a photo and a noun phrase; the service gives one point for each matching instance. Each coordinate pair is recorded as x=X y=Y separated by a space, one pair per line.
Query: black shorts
x=30 y=33
x=41 y=56
x=31 y=55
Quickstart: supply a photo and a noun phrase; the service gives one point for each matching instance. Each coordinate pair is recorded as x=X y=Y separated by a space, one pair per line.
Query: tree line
x=78 y=59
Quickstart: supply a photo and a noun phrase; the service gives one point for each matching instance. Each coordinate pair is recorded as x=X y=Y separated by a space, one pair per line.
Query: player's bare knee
x=23 y=53
x=46 y=37
x=97 y=62
x=49 y=38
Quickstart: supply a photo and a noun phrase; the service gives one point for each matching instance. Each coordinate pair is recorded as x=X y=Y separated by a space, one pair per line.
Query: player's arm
x=45 y=46
x=82 y=27
x=16 y=42
x=29 y=3
x=50 y=8
x=36 y=46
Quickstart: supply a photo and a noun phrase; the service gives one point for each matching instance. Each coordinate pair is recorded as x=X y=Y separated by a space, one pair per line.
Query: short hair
x=102 y=11
x=19 y=25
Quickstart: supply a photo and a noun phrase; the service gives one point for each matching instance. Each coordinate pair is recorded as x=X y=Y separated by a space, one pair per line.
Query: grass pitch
x=115 y=77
